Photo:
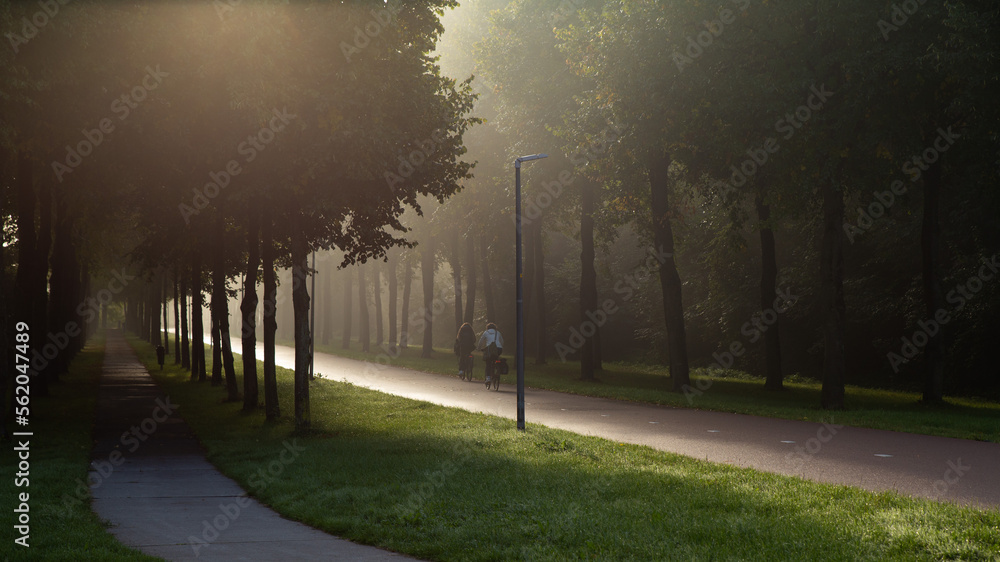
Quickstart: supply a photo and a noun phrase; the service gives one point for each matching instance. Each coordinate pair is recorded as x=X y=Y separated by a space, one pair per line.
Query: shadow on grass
x=442 y=483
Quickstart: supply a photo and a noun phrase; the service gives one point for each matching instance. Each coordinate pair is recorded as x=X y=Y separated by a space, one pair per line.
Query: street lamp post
x=519 y=351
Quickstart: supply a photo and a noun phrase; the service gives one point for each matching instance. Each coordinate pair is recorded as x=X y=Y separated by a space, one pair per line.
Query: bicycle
x=494 y=369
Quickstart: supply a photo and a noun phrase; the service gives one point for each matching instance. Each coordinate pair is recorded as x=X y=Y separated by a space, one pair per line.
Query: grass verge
x=736 y=392
x=445 y=484
x=62 y=525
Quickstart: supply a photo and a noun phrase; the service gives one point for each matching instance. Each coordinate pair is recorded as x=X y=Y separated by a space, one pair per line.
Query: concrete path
x=150 y=480
x=955 y=470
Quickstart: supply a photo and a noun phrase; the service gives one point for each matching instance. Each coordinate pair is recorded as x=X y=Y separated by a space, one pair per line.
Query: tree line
x=738 y=185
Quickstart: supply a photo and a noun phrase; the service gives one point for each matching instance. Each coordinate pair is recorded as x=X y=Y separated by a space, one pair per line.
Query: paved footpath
x=955 y=470
x=150 y=480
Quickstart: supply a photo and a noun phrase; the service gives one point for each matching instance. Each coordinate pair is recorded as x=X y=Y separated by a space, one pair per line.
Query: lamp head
x=518 y=160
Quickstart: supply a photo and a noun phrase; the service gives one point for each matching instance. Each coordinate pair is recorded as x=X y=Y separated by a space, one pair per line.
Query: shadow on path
x=150 y=480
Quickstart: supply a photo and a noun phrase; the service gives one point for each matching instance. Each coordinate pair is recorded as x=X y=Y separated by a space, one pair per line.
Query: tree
x=404 y=317
x=271 y=408
x=365 y=335
x=177 y=319
x=300 y=303
x=588 y=277
x=198 y=324
x=391 y=267
x=249 y=310
x=470 y=278
x=427 y=265
x=185 y=345
x=454 y=259
x=377 y=293
x=348 y=308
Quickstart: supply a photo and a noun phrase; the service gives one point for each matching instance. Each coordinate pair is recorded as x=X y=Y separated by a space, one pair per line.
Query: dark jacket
x=465 y=342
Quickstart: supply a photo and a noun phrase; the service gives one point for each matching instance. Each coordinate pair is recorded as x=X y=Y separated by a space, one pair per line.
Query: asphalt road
x=941 y=468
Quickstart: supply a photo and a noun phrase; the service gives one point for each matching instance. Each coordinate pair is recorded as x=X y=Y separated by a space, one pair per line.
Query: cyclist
x=465 y=344
x=491 y=344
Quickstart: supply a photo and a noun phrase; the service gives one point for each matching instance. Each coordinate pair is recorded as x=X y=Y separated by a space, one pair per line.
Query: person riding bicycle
x=491 y=344
x=465 y=344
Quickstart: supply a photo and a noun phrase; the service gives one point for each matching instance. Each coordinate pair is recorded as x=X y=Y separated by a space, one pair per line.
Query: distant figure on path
x=465 y=344
x=491 y=344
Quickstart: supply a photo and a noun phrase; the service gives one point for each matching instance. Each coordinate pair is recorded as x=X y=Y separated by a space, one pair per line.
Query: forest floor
x=736 y=392
x=443 y=483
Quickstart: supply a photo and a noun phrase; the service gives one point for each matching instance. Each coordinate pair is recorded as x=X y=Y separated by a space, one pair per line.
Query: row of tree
x=201 y=145
x=845 y=150
x=722 y=148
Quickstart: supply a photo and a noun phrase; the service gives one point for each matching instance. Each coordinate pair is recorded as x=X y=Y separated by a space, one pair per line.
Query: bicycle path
x=150 y=480
x=940 y=468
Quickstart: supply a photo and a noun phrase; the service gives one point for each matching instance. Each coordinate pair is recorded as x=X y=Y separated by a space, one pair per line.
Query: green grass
x=738 y=393
x=63 y=527
x=446 y=484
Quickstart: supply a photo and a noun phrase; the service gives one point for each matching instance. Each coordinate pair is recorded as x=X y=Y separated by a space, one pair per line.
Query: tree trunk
x=219 y=301
x=155 y=288
x=404 y=318
x=670 y=281
x=327 y=308
x=300 y=304
x=83 y=291
x=930 y=252
x=248 y=308
x=540 y=308
x=271 y=409
x=365 y=318
x=377 y=288
x=456 y=278
x=185 y=345
x=198 y=323
x=491 y=309
x=177 y=320
x=61 y=282
x=348 y=309
x=228 y=362
x=393 y=297
x=470 y=279
x=832 y=290
x=27 y=252
x=47 y=308
x=427 y=272
x=588 y=276
x=166 y=332
x=28 y=309
x=214 y=315
x=768 y=290
x=220 y=309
